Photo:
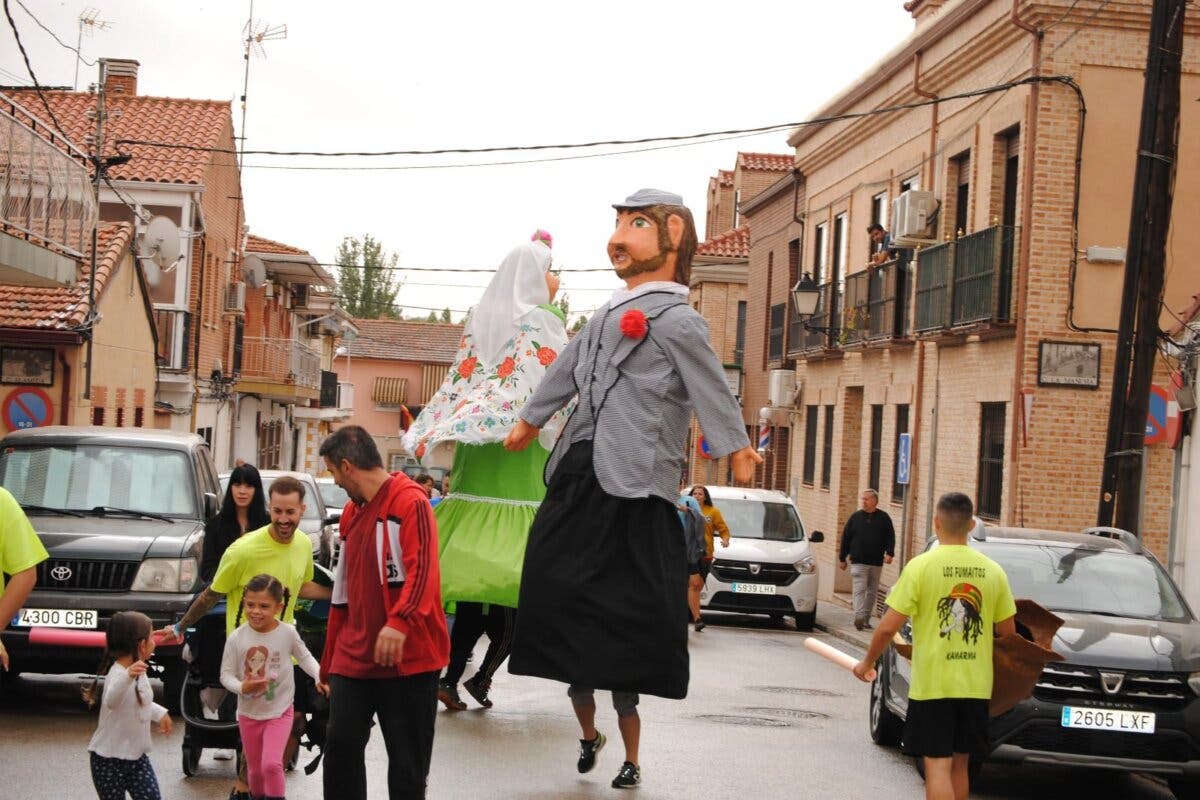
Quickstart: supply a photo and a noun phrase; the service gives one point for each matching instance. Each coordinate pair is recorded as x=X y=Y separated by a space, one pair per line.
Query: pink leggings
x=263 y=741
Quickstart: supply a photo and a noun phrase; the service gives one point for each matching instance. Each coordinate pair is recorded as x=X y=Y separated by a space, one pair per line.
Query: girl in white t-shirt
x=119 y=748
x=257 y=667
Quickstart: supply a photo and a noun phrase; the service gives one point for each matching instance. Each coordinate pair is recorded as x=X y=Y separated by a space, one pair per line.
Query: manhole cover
x=735 y=719
x=795 y=690
x=791 y=713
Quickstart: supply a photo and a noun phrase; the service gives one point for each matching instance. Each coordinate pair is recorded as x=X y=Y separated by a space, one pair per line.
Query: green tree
x=579 y=323
x=564 y=303
x=445 y=315
x=366 y=278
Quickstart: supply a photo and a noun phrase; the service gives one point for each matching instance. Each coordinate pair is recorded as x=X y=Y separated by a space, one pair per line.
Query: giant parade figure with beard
x=603 y=600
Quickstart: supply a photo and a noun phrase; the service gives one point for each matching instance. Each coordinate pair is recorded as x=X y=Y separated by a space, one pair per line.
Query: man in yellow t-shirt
x=280 y=549
x=20 y=553
x=957 y=597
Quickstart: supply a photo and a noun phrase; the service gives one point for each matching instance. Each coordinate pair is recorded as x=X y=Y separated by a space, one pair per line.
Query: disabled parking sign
x=27 y=407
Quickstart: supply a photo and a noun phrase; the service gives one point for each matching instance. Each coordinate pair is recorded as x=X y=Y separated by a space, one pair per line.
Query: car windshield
x=754 y=519
x=1109 y=582
x=311 y=521
x=82 y=477
x=335 y=497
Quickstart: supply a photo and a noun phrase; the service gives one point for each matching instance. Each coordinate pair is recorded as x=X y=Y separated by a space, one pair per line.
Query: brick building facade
x=947 y=341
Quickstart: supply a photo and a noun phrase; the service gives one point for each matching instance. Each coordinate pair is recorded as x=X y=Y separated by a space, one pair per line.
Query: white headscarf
x=518 y=287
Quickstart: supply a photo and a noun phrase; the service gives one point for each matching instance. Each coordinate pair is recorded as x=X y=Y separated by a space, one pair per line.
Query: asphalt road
x=765 y=718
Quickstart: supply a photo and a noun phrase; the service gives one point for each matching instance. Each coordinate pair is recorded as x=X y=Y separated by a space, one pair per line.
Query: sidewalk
x=837 y=620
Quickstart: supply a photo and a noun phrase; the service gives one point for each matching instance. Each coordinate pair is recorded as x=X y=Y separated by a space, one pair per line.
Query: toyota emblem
x=61 y=573
x=755 y=569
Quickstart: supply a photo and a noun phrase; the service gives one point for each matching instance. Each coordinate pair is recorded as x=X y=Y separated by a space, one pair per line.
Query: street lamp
x=805 y=296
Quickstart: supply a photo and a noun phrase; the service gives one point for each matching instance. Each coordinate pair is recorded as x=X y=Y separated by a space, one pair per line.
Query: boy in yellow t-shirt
x=20 y=552
x=956 y=597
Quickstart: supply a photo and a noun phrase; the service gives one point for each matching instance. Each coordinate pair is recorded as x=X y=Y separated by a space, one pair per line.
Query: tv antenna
x=89 y=23
x=254 y=34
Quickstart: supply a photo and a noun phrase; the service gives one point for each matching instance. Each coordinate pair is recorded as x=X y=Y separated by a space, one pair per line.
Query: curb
x=845 y=636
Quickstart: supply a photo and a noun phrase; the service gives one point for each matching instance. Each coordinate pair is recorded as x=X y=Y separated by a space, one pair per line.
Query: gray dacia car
x=121 y=512
x=1126 y=697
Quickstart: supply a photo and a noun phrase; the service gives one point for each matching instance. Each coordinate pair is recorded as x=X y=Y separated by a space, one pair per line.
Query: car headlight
x=806 y=565
x=165 y=575
x=1194 y=682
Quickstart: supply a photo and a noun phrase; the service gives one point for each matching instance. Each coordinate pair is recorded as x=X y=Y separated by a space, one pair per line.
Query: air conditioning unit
x=781 y=389
x=912 y=218
x=235 y=298
x=300 y=295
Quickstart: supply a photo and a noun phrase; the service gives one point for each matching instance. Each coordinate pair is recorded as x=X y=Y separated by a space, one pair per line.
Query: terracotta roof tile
x=769 y=162
x=257 y=244
x=198 y=123
x=400 y=340
x=732 y=244
x=725 y=178
x=65 y=308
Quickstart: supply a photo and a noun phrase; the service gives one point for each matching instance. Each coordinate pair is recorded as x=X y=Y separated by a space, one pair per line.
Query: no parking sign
x=28 y=407
x=1162 y=421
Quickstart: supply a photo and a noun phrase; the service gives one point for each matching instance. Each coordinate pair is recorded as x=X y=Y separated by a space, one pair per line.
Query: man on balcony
x=881 y=245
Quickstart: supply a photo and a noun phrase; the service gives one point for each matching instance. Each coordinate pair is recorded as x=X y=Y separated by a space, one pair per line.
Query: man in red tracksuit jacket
x=387 y=640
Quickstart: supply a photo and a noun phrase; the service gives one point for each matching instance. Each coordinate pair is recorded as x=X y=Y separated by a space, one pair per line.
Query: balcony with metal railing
x=966 y=282
x=47 y=205
x=279 y=368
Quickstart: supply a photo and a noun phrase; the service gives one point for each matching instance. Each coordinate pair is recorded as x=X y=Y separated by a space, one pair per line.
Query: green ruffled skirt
x=483 y=524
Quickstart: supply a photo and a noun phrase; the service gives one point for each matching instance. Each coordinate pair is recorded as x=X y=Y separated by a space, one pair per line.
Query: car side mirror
x=816 y=537
x=211 y=505
x=333 y=518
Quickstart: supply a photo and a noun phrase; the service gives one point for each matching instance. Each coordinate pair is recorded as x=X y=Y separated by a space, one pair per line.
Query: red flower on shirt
x=546 y=356
x=467 y=367
x=633 y=324
x=506 y=367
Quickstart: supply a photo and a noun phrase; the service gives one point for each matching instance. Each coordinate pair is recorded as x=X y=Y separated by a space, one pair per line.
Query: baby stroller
x=209 y=712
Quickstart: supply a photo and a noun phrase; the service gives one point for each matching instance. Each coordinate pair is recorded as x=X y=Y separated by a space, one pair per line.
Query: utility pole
x=99 y=165
x=1141 y=299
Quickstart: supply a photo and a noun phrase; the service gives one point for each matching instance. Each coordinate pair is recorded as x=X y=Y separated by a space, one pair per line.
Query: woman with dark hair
x=716 y=524
x=243 y=509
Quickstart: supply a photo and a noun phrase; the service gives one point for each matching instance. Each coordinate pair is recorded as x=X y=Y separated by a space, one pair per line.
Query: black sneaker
x=479 y=690
x=629 y=776
x=448 y=695
x=699 y=625
x=588 y=748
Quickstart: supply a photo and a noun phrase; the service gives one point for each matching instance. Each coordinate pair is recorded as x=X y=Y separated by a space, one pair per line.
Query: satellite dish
x=254 y=271
x=160 y=249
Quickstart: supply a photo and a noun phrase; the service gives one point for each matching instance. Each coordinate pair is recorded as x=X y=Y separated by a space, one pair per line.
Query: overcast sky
x=359 y=75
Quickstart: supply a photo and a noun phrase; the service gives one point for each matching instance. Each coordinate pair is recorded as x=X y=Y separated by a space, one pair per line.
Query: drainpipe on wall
x=933 y=124
x=64 y=402
x=1021 y=285
x=910 y=521
x=197 y=326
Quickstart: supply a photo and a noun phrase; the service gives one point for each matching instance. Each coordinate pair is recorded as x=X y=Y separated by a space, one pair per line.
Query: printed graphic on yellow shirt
x=958 y=613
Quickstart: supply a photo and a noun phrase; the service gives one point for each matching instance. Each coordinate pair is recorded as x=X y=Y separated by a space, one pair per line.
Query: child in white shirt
x=119 y=748
x=257 y=667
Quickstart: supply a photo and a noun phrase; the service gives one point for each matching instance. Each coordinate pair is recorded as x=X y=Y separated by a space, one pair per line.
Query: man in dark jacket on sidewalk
x=868 y=542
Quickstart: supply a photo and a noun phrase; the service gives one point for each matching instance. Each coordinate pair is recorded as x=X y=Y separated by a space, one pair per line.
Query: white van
x=768 y=567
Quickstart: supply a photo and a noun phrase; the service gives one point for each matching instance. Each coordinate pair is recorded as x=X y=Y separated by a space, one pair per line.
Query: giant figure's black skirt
x=603 y=601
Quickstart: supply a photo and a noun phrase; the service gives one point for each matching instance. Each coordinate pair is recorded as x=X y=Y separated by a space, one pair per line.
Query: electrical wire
x=435 y=269
x=606 y=143
x=37 y=86
x=54 y=35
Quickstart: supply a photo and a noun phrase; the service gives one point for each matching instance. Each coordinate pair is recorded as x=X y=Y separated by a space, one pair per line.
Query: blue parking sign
x=903 y=458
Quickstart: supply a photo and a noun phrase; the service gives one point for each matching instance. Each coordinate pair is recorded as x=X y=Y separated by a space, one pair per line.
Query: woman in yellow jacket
x=716 y=524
